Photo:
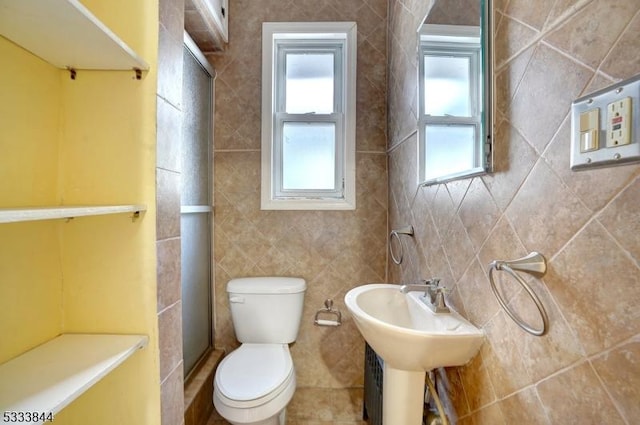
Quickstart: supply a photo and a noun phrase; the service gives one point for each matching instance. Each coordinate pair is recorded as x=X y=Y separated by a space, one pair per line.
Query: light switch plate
x=590 y=130
x=618 y=130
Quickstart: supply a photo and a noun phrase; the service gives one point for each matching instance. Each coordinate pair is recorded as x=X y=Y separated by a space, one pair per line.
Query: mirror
x=455 y=119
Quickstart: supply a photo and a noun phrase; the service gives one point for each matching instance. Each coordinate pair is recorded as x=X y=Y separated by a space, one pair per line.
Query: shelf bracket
x=72 y=72
x=138 y=72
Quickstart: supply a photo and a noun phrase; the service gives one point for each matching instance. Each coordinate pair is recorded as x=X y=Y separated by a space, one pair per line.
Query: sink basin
x=411 y=340
x=406 y=333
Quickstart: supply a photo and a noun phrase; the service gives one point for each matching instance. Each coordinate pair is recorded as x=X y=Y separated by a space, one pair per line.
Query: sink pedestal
x=411 y=339
x=402 y=396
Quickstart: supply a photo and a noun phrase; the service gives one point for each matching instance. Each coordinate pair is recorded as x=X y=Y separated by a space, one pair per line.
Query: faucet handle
x=438 y=299
x=439 y=302
x=442 y=290
x=434 y=282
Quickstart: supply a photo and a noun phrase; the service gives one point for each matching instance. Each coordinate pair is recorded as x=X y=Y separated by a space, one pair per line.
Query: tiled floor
x=214 y=420
x=319 y=406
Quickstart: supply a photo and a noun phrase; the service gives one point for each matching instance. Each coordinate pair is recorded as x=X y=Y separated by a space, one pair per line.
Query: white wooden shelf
x=65 y=34
x=49 y=377
x=12 y=215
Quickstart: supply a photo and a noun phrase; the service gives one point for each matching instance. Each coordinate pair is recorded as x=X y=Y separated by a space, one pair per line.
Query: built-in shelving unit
x=12 y=215
x=47 y=378
x=52 y=375
x=66 y=34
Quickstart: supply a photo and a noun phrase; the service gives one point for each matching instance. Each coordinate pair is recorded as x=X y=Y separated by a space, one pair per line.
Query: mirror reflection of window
x=447 y=85
x=450 y=101
x=460 y=144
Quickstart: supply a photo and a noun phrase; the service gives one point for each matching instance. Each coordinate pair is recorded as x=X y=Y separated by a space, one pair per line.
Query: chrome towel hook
x=534 y=264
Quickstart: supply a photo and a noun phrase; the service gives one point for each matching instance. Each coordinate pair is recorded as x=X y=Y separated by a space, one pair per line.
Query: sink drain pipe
x=434 y=393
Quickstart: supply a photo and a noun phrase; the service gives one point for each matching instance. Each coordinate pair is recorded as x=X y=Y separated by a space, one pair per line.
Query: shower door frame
x=193 y=49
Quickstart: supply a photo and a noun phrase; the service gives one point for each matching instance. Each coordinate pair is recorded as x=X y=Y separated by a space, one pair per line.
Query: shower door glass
x=195 y=222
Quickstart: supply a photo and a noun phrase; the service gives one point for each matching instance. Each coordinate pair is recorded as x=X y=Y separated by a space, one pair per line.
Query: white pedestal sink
x=411 y=340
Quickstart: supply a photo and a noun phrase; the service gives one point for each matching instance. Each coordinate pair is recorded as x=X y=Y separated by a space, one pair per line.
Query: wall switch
x=589 y=130
x=619 y=122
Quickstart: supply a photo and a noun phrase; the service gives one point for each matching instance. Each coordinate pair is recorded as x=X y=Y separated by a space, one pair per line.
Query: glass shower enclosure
x=196 y=207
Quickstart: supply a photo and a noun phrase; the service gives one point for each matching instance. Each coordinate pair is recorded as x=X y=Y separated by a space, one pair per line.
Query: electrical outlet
x=619 y=123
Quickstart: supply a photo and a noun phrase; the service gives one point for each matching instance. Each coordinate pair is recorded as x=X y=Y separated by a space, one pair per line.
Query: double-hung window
x=450 y=101
x=308 y=115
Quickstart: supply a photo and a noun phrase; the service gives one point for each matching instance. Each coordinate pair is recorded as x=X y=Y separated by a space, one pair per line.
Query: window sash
x=306 y=46
x=278 y=181
x=301 y=46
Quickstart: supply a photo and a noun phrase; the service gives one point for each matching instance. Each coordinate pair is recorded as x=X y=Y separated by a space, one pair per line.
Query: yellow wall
x=88 y=141
x=30 y=93
x=108 y=262
x=30 y=275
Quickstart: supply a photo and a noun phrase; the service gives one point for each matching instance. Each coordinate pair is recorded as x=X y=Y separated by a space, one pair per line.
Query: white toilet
x=254 y=383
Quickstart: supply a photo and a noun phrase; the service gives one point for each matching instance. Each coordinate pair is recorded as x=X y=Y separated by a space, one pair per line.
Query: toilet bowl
x=254 y=383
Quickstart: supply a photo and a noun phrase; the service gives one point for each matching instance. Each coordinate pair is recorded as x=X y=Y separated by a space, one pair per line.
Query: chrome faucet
x=433 y=294
x=436 y=293
x=420 y=286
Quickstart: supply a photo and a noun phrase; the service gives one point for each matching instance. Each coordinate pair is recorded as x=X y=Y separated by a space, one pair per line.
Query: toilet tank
x=266 y=310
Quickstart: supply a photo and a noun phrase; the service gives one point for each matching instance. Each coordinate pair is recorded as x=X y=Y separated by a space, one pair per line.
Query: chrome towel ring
x=395 y=234
x=534 y=264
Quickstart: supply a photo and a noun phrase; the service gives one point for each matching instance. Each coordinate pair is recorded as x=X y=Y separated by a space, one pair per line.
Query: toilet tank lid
x=266 y=285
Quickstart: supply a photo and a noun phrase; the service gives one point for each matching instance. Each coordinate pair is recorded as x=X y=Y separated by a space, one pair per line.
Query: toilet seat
x=254 y=374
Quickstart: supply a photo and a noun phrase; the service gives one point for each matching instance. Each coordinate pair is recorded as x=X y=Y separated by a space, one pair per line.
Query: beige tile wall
x=333 y=250
x=587 y=368
x=169 y=134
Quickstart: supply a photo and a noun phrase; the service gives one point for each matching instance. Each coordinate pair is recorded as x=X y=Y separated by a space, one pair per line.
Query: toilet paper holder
x=335 y=317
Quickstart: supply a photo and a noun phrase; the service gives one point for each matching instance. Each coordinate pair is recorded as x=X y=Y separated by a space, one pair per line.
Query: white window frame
x=338 y=37
x=459 y=41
